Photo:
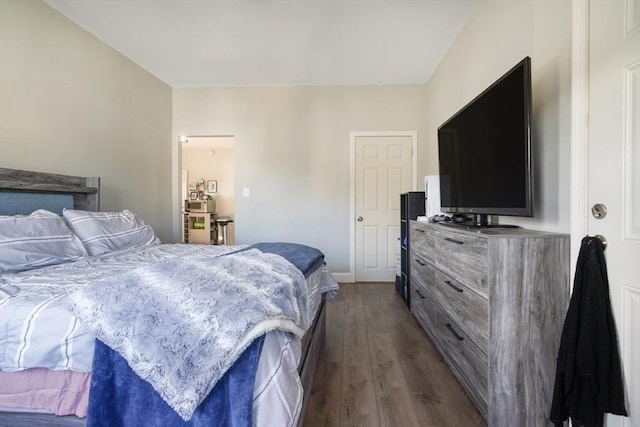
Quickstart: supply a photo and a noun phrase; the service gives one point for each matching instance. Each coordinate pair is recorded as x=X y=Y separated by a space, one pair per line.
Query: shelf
x=200 y=228
x=411 y=206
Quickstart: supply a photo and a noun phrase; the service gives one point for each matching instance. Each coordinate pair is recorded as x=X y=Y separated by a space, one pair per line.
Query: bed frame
x=22 y=192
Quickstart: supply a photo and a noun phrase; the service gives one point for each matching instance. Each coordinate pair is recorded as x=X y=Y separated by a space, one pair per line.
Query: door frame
x=579 y=125
x=352 y=185
x=178 y=183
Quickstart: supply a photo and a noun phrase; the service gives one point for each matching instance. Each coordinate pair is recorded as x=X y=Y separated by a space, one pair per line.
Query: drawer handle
x=455 y=334
x=421 y=296
x=449 y=239
x=454 y=287
x=420 y=262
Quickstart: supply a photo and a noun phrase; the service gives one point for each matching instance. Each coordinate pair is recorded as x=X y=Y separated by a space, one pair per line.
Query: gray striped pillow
x=36 y=240
x=102 y=232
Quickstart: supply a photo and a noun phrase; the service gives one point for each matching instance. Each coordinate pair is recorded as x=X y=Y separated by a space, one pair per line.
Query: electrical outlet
x=245 y=191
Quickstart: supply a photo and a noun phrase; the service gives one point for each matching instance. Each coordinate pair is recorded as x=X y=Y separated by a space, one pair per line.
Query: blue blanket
x=121 y=398
x=305 y=258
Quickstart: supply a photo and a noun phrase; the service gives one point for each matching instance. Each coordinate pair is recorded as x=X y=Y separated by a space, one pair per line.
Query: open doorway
x=208 y=170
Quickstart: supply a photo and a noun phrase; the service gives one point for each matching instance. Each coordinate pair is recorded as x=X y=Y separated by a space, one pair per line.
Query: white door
x=382 y=171
x=614 y=172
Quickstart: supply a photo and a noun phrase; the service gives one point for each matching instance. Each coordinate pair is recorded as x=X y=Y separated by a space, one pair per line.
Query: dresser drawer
x=467 y=361
x=422 y=272
x=467 y=308
x=422 y=277
x=465 y=257
x=423 y=240
x=423 y=309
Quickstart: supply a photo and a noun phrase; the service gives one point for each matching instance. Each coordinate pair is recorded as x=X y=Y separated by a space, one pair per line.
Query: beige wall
x=70 y=104
x=292 y=151
x=498 y=35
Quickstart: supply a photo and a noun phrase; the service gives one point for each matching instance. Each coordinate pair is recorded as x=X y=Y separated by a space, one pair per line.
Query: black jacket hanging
x=588 y=374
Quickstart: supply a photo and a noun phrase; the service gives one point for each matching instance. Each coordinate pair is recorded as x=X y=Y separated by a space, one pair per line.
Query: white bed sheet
x=278 y=393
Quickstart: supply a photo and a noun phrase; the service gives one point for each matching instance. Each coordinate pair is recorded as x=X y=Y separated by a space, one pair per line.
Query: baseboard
x=343 y=277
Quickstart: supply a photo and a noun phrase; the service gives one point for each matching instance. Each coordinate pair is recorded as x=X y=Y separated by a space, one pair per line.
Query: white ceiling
x=193 y=43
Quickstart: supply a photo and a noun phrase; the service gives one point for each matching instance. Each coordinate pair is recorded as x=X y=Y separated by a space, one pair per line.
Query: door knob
x=359 y=218
x=602 y=239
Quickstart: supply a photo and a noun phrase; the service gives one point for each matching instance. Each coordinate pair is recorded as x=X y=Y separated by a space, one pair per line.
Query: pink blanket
x=58 y=392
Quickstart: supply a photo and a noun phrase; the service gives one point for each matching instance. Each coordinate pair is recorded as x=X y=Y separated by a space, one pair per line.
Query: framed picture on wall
x=212 y=186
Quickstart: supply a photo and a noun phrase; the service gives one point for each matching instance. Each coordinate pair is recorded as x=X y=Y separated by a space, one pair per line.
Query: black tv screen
x=485 y=151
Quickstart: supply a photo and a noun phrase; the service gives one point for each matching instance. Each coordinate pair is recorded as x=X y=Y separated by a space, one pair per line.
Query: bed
x=281 y=355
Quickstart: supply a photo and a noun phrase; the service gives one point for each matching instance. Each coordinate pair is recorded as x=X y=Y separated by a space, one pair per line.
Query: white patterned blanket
x=181 y=323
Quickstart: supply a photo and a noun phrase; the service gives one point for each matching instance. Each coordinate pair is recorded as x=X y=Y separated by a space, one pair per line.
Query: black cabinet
x=411 y=207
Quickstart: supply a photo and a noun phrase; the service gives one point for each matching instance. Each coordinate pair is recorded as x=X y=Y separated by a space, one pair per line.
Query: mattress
x=30 y=301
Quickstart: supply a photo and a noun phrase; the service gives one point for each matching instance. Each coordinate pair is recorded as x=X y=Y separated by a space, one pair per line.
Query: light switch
x=245 y=191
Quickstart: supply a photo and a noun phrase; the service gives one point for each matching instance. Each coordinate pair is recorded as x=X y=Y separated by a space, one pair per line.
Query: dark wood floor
x=378 y=368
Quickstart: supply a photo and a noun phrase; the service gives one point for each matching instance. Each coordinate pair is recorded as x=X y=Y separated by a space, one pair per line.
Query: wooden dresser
x=493 y=302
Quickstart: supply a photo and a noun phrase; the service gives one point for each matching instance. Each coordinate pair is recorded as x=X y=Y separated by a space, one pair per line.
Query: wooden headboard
x=22 y=192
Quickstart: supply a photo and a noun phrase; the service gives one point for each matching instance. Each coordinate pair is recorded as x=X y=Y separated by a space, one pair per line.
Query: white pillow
x=103 y=232
x=32 y=241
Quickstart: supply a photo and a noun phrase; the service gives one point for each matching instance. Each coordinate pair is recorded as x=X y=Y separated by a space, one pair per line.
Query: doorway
x=383 y=165
x=208 y=166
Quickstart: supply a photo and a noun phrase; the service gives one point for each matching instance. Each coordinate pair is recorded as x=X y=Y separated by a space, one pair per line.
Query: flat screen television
x=485 y=154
